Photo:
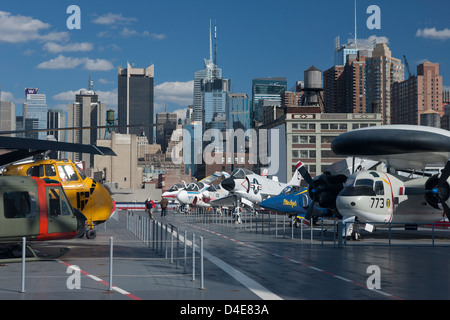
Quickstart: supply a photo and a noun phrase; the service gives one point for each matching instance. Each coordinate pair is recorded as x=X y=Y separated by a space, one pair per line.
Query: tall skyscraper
x=35 y=113
x=208 y=74
x=382 y=70
x=418 y=94
x=87 y=111
x=135 y=100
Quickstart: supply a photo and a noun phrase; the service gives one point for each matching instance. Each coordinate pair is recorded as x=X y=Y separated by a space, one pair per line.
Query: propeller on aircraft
x=322 y=190
x=436 y=191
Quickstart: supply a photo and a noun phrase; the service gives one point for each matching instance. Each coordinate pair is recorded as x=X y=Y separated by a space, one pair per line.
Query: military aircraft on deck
x=375 y=196
x=295 y=200
x=250 y=189
x=171 y=194
x=202 y=193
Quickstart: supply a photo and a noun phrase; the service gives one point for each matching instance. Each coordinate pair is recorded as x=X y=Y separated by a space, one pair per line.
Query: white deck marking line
x=252 y=285
x=308 y=266
x=119 y=290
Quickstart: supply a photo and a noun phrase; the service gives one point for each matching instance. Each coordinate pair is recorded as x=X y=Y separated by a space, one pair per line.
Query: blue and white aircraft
x=295 y=201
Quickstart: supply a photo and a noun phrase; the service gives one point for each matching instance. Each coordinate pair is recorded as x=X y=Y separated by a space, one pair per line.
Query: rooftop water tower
x=110 y=122
x=312 y=93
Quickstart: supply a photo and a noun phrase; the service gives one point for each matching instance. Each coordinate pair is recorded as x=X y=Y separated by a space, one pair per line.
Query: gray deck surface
x=239 y=264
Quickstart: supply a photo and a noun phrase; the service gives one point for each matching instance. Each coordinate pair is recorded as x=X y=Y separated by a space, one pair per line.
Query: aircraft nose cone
x=228 y=184
x=182 y=197
x=269 y=203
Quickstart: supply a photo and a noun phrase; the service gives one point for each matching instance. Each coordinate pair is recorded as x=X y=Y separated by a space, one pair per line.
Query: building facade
x=7 y=116
x=87 y=111
x=166 y=123
x=238 y=111
x=35 y=114
x=136 y=100
x=306 y=134
x=268 y=89
x=417 y=95
x=382 y=70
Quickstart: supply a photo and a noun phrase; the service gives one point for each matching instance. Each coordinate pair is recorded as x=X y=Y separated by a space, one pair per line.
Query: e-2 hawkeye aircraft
x=383 y=197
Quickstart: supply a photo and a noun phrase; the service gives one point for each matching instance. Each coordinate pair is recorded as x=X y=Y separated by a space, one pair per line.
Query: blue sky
x=256 y=38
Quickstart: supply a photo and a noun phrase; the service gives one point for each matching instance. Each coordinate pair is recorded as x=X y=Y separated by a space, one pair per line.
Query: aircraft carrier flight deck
x=256 y=260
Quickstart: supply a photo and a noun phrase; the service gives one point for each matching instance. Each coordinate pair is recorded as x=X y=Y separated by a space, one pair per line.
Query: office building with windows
x=417 y=95
x=136 y=100
x=382 y=71
x=7 y=116
x=35 y=114
x=238 y=112
x=87 y=111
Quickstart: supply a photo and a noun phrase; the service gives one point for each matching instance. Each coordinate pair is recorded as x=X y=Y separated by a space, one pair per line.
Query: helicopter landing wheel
x=91 y=234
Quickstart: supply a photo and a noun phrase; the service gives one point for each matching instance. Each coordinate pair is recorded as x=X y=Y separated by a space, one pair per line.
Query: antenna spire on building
x=90 y=84
x=356 y=29
x=210 y=42
x=215 y=43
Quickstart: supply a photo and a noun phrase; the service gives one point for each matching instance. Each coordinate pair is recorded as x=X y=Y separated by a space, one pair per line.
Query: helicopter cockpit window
x=57 y=204
x=19 y=204
x=67 y=173
x=50 y=170
x=35 y=171
x=80 y=172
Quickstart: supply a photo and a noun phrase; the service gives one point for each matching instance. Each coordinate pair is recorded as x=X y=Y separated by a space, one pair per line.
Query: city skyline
x=262 y=39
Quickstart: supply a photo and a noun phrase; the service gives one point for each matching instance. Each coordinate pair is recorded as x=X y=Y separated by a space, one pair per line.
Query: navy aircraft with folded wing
x=384 y=196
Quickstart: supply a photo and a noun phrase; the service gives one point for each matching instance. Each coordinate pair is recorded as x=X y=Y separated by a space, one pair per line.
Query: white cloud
x=112 y=19
x=126 y=32
x=107 y=97
x=105 y=81
x=62 y=62
x=373 y=39
x=17 y=28
x=180 y=93
x=73 y=47
x=432 y=33
x=98 y=65
x=156 y=36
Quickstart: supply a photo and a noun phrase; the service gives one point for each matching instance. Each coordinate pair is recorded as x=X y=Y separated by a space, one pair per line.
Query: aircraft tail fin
x=296 y=177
